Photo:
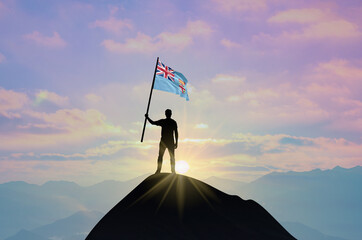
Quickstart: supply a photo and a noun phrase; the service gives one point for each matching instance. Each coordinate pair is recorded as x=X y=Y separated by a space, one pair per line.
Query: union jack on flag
x=164 y=71
x=169 y=80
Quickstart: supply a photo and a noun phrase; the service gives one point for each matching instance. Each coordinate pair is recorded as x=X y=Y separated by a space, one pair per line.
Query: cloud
x=74 y=120
x=249 y=152
x=11 y=102
x=242 y=153
x=304 y=152
x=175 y=41
x=326 y=89
x=341 y=29
x=2 y=58
x=304 y=15
x=335 y=84
x=54 y=41
x=201 y=126
x=239 y=168
x=112 y=24
x=326 y=93
x=316 y=25
x=93 y=98
x=229 y=44
x=228 y=6
x=341 y=68
x=226 y=78
x=105 y=150
x=142 y=44
x=60 y=129
x=275 y=105
x=84 y=172
x=44 y=95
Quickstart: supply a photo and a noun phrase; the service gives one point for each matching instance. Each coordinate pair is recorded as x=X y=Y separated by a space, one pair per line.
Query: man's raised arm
x=149 y=119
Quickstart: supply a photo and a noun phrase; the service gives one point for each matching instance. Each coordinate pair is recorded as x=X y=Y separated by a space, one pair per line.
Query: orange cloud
x=54 y=41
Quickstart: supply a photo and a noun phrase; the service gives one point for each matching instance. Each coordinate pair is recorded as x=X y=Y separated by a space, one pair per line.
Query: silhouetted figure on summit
x=169 y=127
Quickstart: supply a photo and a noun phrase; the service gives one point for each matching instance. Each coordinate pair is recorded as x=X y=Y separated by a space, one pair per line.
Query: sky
x=273 y=85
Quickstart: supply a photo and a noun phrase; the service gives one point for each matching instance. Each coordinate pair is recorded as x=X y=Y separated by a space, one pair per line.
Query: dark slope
x=166 y=206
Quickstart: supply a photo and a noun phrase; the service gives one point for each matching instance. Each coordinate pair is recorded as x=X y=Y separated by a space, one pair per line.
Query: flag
x=168 y=80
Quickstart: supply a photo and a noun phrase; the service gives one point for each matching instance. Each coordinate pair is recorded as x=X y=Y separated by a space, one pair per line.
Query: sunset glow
x=182 y=167
x=273 y=86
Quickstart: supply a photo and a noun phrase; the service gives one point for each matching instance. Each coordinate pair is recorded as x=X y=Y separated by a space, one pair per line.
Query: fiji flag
x=168 y=80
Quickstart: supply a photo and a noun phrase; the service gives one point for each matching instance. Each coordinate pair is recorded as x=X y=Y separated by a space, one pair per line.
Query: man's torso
x=168 y=127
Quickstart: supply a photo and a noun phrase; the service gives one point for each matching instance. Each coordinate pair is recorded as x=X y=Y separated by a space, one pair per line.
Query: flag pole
x=149 y=101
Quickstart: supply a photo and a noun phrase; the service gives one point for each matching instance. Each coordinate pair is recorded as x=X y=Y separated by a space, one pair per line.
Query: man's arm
x=158 y=123
x=149 y=119
x=176 y=136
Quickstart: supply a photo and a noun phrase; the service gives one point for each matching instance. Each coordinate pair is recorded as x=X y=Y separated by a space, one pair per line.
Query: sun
x=182 y=167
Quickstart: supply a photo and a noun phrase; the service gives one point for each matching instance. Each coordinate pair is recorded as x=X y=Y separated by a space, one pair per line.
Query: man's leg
x=171 y=151
x=161 y=151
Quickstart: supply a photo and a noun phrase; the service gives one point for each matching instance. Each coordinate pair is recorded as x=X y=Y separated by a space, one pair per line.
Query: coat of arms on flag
x=169 y=80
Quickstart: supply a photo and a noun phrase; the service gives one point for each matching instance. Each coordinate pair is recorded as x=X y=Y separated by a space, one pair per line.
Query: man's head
x=168 y=113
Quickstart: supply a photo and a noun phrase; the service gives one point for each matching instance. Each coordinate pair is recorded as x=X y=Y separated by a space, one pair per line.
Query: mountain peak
x=338 y=168
x=59 y=183
x=171 y=206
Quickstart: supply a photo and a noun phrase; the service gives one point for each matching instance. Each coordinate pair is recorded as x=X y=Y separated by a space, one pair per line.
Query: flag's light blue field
x=171 y=81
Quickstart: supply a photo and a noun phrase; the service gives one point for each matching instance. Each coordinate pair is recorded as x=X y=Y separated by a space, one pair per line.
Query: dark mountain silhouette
x=169 y=206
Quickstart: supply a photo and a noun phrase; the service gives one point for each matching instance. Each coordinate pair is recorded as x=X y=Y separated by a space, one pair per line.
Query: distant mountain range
x=74 y=227
x=27 y=206
x=324 y=203
x=329 y=200
x=303 y=232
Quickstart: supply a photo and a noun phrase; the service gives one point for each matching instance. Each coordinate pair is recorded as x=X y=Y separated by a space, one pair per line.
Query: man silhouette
x=169 y=127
